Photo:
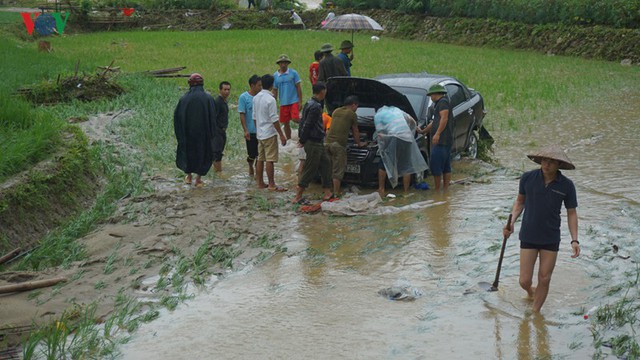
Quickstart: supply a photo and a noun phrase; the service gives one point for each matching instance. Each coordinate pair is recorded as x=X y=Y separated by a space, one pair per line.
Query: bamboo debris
x=30 y=285
x=166 y=71
x=10 y=255
x=172 y=75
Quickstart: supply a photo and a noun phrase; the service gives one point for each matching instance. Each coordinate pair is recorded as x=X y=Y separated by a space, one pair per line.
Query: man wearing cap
x=346 y=55
x=287 y=86
x=441 y=136
x=194 y=124
x=541 y=195
x=330 y=65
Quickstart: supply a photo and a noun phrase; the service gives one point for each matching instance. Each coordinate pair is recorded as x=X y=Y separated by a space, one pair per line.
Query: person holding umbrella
x=541 y=195
x=346 y=55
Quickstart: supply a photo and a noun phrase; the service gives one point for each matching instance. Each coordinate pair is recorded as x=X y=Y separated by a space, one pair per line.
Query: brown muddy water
x=320 y=299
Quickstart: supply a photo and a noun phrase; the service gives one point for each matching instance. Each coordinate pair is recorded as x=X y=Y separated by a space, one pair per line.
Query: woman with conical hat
x=541 y=194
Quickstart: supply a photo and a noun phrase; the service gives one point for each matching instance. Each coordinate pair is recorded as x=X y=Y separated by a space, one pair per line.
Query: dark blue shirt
x=446 y=137
x=541 y=219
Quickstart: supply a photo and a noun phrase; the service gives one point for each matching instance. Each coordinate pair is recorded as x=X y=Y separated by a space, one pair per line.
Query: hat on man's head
x=195 y=79
x=346 y=45
x=437 y=89
x=283 y=58
x=553 y=153
x=326 y=48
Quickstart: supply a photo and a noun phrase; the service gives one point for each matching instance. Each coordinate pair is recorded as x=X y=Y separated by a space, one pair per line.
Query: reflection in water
x=438 y=224
x=540 y=348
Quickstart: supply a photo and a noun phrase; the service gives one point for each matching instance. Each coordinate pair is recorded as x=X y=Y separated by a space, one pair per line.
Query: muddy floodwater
x=319 y=299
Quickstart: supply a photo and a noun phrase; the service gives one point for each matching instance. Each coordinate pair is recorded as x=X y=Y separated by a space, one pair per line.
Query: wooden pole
x=9 y=256
x=30 y=285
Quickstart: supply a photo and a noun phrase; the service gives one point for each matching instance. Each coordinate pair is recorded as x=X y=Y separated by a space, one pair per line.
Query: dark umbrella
x=352 y=22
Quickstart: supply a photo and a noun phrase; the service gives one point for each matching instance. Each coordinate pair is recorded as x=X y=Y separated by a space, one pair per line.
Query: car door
x=462 y=115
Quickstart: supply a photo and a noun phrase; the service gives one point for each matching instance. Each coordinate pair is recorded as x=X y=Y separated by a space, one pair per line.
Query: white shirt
x=265 y=114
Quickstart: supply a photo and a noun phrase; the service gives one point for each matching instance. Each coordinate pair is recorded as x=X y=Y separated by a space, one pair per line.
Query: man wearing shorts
x=541 y=195
x=441 y=137
x=220 y=139
x=344 y=119
x=286 y=88
x=245 y=109
x=265 y=114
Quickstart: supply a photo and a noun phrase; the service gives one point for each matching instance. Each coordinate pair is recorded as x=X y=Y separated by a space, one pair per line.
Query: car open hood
x=371 y=93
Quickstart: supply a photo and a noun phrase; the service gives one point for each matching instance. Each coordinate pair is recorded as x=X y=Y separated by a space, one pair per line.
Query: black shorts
x=550 y=247
x=252 y=147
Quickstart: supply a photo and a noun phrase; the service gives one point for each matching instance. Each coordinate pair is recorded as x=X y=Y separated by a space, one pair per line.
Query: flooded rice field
x=320 y=299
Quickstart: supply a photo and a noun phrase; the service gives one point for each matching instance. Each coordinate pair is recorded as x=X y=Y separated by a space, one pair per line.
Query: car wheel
x=472 y=148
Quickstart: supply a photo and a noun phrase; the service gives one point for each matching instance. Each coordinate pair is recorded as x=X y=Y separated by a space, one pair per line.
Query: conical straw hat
x=555 y=153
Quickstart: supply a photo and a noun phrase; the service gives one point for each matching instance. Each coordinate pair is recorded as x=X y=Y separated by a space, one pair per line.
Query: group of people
x=200 y=123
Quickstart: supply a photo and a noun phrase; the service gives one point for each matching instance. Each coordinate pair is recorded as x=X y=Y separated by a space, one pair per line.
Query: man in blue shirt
x=541 y=194
x=245 y=109
x=346 y=55
x=286 y=88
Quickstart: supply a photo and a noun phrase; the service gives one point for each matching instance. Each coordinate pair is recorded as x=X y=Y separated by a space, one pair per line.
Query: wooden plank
x=10 y=255
x=30 y=285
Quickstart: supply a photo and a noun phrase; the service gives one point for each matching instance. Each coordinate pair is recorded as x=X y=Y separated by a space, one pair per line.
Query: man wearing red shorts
x=286 y=88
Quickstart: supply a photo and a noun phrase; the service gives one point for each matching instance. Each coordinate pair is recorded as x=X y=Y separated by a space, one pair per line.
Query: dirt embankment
x=597 y=42
x=154 y=248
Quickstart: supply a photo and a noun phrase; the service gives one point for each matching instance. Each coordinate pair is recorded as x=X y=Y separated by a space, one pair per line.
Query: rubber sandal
x=187 y=180
x=199 y=184
x=330 y=198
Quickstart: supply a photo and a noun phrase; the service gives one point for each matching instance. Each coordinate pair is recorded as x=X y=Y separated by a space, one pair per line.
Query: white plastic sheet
x=370 y=205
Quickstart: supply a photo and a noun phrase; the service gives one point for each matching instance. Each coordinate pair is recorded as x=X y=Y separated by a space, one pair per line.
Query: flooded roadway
x=319 y=299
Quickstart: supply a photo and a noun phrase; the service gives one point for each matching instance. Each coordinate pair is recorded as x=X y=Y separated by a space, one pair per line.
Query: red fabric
x=195 y=79
x=288 y=112
x=314 y=71
x=128 y=11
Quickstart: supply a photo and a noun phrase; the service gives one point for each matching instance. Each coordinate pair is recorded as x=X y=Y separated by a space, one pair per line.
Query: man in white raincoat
x=397 y=147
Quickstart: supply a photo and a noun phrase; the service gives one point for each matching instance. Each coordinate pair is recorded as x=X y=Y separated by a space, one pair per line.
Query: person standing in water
x=541 y=195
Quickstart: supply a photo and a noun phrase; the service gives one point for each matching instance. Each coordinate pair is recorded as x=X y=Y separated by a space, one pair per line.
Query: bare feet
x=531 y=292
x=262 y=185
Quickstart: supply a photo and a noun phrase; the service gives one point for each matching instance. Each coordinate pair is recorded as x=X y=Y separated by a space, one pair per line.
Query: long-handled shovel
x=494 y=287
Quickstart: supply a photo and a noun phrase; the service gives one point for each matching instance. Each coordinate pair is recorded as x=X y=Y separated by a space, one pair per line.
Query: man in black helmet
x=330 y=65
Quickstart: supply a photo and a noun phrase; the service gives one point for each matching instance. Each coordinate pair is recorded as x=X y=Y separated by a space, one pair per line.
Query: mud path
x=148 y=234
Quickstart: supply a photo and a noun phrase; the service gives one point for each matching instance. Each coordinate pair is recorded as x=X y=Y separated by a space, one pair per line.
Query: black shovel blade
x=487 y=286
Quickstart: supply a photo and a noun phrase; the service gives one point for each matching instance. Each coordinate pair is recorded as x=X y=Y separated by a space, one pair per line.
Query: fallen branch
x=171 y=75
x=10 y=255
x=166 y=71
x=30 y=285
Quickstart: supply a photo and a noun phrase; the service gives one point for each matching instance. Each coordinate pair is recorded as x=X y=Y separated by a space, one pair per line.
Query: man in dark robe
x=330 y=65
x=194 y=122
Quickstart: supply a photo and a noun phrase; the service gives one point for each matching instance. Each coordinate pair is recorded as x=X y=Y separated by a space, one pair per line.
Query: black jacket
x=311 y=125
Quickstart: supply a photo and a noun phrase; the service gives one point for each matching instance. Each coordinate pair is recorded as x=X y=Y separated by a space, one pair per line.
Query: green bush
x=617 y=13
